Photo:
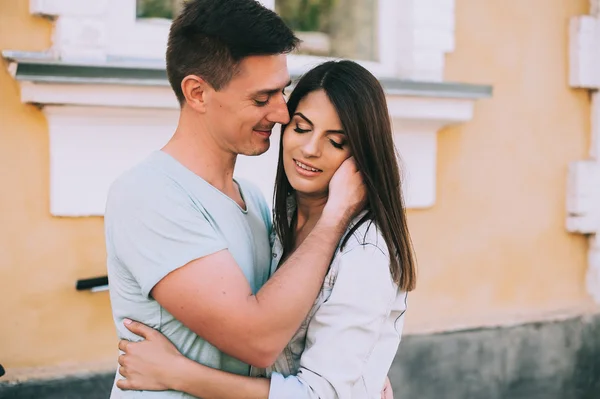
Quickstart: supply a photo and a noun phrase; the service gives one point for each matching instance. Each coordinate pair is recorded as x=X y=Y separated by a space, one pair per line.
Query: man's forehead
x=259 y=73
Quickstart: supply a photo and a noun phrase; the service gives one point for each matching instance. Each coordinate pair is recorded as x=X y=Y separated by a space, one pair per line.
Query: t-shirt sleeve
x=155 y=229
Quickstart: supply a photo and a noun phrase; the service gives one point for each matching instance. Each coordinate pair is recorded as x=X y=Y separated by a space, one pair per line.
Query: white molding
x=425 y=35
x=595 y=8
x=593 y=58
x=99 y=95
x=90 y=147
x=414 y=35
x=592 y=277
x=91 y=144
x=131 y=37
x=81 y=28
x=584 y=52
x=74 y=8
x=583 y=197
x=98 y=130
x=268 y=3
x=583 y=184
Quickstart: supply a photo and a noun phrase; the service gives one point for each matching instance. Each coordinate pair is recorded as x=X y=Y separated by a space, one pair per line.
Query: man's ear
x=195 y=90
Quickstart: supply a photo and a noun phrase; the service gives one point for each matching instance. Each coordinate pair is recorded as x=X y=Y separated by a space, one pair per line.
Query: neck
x=194 y=147
x=309 y=208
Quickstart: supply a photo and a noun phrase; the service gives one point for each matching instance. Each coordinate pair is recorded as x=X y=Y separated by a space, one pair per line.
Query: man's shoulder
x=146 y=184
x=140 y=175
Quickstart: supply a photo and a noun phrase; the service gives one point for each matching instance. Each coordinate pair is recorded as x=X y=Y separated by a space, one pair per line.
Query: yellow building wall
x=43 y=320
x=492 y=251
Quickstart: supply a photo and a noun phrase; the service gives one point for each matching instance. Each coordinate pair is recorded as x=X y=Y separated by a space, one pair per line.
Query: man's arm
x=212 y=297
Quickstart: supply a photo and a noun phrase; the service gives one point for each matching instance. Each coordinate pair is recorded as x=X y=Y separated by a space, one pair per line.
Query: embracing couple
x=214 y=298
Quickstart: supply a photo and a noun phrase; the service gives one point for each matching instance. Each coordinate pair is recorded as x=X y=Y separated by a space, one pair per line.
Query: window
x=362 y=30
x=167 y=9
x=336 y=28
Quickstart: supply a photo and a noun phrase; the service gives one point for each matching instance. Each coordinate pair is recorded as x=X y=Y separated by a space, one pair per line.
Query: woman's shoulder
x=363 y=256
x=363 y=233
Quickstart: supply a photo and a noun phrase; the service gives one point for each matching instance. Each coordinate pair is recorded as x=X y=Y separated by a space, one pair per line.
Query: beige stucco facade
x=493 y=250
x=44 y=321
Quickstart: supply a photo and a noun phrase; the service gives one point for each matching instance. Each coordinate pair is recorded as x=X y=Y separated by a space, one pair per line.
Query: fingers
x=123 y=345
x=138 y=328
x=124 y=385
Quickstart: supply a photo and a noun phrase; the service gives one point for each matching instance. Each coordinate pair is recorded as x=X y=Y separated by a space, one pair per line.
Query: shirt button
x=274 y=255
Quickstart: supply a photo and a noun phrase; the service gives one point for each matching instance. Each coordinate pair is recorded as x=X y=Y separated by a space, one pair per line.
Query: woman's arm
x=154 y=364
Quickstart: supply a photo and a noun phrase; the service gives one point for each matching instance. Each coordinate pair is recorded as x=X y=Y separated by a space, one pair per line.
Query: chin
x=308 y=188
x=257 y=150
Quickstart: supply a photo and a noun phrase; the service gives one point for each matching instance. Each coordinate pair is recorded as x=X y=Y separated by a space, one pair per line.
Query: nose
x=312 y=146
x=279 y=112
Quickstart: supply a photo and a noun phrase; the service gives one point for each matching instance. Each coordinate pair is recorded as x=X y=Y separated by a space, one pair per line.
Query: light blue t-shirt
x=160 y=216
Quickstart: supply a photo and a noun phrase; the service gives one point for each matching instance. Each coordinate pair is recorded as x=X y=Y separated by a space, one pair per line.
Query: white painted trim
x=414 y=36
x=98 y=130
x=584 y=52
x=99 y=95
x=592 y=277
x=583 y=185
x=595 y=8
x=132 y=37
x=73 y=8
x=425 y=35
x=91 y=145
x=268 y=3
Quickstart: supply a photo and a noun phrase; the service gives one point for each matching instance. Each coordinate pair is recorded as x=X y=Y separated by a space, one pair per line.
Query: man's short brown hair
x=209 y=38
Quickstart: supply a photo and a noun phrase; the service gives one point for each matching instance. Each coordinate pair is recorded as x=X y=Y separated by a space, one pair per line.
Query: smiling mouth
x=306 y=167
x=264 y=133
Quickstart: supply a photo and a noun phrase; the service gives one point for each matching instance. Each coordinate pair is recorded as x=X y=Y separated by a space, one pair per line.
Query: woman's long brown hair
x=360 y=103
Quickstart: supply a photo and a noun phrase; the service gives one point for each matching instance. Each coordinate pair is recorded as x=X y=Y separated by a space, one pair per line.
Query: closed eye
x=336 y=144
x=265 y=102
x=297 y=129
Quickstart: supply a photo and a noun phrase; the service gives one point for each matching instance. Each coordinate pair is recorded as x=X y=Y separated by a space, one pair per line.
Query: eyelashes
x=263 y=103
x=334 y=143
x=298 y=130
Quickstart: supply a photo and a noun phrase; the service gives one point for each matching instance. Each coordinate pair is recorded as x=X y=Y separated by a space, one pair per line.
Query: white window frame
x=387 y=21
x=422 y=31
x=135 y=37
x=146 y=38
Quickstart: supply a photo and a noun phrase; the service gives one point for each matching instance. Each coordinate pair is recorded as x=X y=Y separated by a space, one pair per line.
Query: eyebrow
x=301 y=115
x=270 y=92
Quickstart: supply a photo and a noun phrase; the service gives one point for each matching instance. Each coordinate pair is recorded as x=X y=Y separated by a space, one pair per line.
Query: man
x=188 y=248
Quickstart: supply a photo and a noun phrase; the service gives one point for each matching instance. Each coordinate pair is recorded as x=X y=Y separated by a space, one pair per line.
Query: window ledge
x=43 y=68
x=103 y=117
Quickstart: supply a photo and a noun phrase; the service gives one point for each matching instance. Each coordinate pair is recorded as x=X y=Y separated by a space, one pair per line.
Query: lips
x=266 y=133
x=306 y=167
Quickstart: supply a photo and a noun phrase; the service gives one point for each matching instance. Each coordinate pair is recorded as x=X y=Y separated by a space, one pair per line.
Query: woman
x=346 y=345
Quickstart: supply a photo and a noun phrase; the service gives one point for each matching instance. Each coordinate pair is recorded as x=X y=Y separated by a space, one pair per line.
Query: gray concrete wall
x=553 y=360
